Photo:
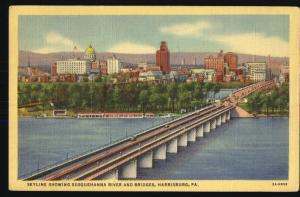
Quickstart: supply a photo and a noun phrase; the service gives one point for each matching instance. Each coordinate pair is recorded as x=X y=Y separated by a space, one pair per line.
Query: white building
x=150 y=75
x=256 y=70
x=207 y=73
x=113 y=65
x=73 y=66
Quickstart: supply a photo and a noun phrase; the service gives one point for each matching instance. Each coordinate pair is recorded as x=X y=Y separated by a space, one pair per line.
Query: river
x=239 y=149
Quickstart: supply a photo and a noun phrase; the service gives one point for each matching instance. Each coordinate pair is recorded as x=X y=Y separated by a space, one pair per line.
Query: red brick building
x=103 y=67
x=232 y=60
x=163 y=58
x=216 y=63
x=54 y=69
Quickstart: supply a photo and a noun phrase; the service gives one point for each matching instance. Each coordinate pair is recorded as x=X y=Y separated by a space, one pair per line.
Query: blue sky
x=261 y=35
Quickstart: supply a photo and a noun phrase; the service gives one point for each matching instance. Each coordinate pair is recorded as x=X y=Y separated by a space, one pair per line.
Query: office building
x=163 y=58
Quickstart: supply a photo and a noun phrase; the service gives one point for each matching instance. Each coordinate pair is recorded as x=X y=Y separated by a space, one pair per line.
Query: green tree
x=172 y=90
x=255 y=102
x=216 y=88
x=185 y=99
x=117 y=97
x=144 y=99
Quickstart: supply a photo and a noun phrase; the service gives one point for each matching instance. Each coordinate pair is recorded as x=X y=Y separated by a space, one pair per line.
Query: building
x=113 y=65
x=216 y=63
x=206 y=74
x=90 y=53
x=180 y=75
x=256 y=71
x=95 y=67
x=163 y=58
x=73 y=66
x=103 y=67
x=54 y=69
x=150 y=76
x=232 y=60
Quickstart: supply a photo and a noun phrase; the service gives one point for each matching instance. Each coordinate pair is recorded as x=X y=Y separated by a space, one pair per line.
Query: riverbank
x=48 y=114
x=270 y=115
x=263 y=113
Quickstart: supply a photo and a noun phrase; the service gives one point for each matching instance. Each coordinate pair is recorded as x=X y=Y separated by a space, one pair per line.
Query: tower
x=28 y=69
x=195 y=61
x=232 y=60
x=163 y=58
x=75 y=52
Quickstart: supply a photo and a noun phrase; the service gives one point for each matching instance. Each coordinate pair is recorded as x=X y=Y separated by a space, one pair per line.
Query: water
x=221 y=94
x=244 y=149
x=43 y=142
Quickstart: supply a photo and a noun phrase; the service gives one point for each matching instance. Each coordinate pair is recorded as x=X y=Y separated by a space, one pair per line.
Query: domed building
x=90 y=53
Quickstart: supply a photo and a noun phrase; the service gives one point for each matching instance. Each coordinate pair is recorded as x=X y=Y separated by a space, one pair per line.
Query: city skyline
x=259 y=35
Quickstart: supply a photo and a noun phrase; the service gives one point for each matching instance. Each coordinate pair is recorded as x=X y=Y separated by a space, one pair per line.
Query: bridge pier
x=160 y=152
x=191 y=135
x=219 y=120
x=207 y=127
x=213 y=123
x=182 y=140
x=146 y=160
x=172 y=146
x=224 y=117
x=111 y=175
x=228 y=115
x=129 y=170
x=199 y=132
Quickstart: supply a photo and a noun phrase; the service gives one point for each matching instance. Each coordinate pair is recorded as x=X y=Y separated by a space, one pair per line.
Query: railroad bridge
x=123 y=159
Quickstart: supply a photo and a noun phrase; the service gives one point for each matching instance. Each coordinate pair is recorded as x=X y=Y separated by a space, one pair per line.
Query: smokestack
x=183 y=61
x=253 y=58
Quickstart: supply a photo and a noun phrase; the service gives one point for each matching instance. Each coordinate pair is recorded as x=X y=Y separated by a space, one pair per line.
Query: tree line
x=276 y=101
x=130 y=97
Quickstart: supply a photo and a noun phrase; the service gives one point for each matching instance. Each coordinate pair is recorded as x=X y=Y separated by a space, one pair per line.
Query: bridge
x=123 y=159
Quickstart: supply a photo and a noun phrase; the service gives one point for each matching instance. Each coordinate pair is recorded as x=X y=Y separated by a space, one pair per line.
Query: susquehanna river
x=243 y=149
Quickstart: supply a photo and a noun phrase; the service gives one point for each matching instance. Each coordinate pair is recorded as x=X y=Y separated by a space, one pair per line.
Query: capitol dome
x=90 y=53
x=90 y=50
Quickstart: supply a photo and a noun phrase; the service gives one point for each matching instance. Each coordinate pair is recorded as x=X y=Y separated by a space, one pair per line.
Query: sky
x=250 y=34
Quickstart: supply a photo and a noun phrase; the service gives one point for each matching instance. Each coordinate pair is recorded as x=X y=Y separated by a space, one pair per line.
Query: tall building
x=232 y=60
x=113 y=65
x=54 y=69
x=103 y=67
x=163 y=58
x=216 y=63
x=256 y=71
x=95 y=67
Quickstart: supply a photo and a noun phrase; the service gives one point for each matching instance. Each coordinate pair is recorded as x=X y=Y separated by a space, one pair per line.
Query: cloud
x=56 y=42
x=255 y=43
x=129 y=47
x=187 y=29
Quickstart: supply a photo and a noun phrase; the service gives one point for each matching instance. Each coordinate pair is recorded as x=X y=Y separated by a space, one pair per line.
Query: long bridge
x=123 y=159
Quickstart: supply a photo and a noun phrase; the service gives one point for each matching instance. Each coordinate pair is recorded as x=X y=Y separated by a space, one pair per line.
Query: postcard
x=161 y=98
